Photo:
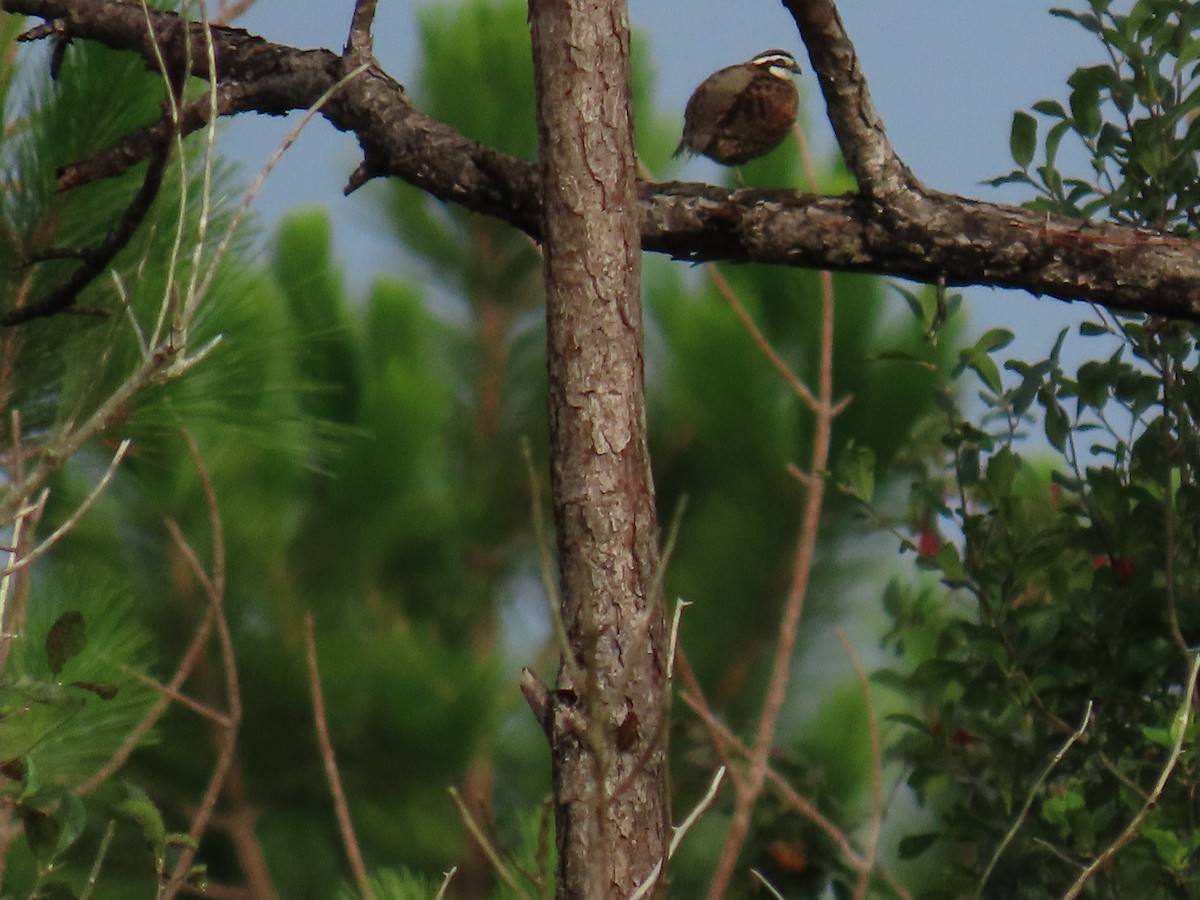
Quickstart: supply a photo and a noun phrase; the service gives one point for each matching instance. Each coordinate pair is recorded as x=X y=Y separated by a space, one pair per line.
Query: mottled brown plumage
x=743 y=111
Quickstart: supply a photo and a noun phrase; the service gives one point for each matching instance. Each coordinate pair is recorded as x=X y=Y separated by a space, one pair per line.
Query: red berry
x=929 y=543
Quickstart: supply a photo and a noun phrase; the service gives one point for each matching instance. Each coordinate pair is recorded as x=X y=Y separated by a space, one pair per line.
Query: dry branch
x=894 y=226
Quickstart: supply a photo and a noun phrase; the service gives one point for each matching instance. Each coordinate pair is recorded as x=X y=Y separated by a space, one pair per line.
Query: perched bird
x=742 y=111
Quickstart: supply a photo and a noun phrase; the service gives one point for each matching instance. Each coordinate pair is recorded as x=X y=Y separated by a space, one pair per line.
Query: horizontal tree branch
x=893 y=226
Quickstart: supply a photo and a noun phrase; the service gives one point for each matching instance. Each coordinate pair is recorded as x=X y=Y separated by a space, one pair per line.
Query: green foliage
x=1068 y=580
x=67 y=704
x=1080 y=580
x=367 y=468
x=1134 y=115
x=395 y=884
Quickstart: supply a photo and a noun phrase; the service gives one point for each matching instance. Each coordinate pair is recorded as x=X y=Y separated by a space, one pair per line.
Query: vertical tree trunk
x=606 y=720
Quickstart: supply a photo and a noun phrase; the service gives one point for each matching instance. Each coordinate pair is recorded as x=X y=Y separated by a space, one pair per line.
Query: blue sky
x=945 y=74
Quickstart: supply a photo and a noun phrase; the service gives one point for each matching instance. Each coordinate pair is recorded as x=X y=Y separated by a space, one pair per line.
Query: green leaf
x=1053 y=139
x=1087 y=20
x=1050 y=108
x=987 y=370
x=66 y=638
x=1022 y=139
x=1016 y=176
x=1057 y=425
x=1057 y=810
x=968 y=464
x=1000 y=472
x=72 y=816
x=1157 y=735
x=950 y=563
x=1167 y=846
x=1058 y=345
x=1187 y=54
x=1085 y=110
x=138 y=807
x=858 y=463
x=901 y=356
x=915 y=304
x=993 y=339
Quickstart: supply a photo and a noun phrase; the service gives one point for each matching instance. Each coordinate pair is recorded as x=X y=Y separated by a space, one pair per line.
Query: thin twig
x=771 y=889
x=863 y=885
x=98 y=862
x=227 y=12
x=803 y=806
x=1032 y=795
x=169 y=692
x=192 y=297
x=680 y=605
x=705 y=802
x=260 y=179
x=226 y=740
x=173 y=137
x=760 y=341
x=800 y=804
x=824 y=411
x=694 y=697
x=23 y=523
x=677 y=834
x=805 y=554
x=502 y=870
x=445 y=883
x=329 y=759
x=73 y=519
x=1182 y=718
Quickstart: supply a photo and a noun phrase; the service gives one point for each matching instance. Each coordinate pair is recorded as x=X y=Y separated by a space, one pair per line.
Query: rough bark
x=606 y=718
x=894 y=226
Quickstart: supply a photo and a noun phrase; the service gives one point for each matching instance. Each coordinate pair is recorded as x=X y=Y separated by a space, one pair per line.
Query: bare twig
x=98 y=862
x=227 y=12
x=168 y=692
x=680 y=605
x=678 y=833
x=72 y=520
x=863 y=885
x=226 y=738
x=360 y=43
x=728 y=740
x=771 y=889
x=718 y=734
x=502 y=870
x=12 y=620
x=930 y=236
x=806 y=809
x=261 y=178
x=694 y=816
x=1031 y=796
x=329 y=759
x=1182 y=718
x=802 y=563
x=799 y=388
x=95 y=259
x=445 y=883
x=856 y=122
